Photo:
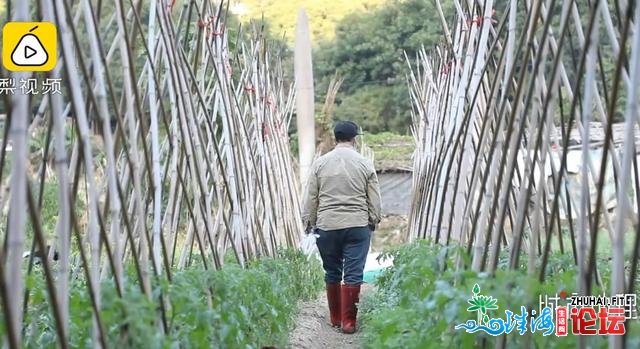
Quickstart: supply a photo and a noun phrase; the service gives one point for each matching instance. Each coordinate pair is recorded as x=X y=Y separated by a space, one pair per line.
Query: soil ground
x=313 y=330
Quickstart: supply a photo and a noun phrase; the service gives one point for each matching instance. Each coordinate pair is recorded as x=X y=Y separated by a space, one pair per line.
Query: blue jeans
x=344 y=250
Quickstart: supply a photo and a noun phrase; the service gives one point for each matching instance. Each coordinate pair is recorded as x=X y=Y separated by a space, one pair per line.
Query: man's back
x=347 y=190
x=342 y=202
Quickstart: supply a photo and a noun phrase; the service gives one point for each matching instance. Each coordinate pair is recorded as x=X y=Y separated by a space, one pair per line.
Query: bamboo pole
x=587 y=108
x=159 y=114
x=521 y=160
x=84 y=134
x=155 y=143
x=629 y=153
x=17 y=203
x=304 y=91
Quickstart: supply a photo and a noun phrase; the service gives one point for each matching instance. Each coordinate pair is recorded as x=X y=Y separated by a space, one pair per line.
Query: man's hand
x=372 y=227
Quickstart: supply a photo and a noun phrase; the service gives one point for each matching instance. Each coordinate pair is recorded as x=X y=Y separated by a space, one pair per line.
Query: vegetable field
x=152 y=200
x=524 y=212
x=158 y=180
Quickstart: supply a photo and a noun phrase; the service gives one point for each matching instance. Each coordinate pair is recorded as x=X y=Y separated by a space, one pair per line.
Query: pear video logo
x=29 y=46
x=29 y=51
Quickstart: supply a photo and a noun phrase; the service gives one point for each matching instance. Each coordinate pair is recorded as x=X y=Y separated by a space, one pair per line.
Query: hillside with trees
x=368 y=51
x=282 y=14
x=363 y=42
x=368 y=45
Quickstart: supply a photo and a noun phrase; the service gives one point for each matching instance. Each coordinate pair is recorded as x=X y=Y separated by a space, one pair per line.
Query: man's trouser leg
x=330 y=247
x=355 y=249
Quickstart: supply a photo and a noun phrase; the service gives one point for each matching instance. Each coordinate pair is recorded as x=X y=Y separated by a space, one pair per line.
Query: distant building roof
x=395 y=169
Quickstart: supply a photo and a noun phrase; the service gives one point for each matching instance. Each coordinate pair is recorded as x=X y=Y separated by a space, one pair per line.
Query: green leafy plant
x=233 y=307
x=422 y=297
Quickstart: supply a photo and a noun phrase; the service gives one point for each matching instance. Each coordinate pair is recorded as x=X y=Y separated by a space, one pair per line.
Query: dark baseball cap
x=344 y=130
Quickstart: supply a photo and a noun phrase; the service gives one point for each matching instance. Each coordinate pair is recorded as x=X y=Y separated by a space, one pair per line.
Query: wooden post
x=304 y=97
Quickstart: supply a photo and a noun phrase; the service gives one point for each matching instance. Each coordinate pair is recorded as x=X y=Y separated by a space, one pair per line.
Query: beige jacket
x=342 y=191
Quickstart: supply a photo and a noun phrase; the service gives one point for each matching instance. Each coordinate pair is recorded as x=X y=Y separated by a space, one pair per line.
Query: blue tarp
x=371 y=276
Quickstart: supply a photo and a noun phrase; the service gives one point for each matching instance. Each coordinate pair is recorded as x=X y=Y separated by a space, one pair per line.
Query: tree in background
x=282 y=14
x=368 y=52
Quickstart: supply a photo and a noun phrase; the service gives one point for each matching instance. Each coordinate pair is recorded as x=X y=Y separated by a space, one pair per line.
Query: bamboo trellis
x=168 y=143
x=493 y=111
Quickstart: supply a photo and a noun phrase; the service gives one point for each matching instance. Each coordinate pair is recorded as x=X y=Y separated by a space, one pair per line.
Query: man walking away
x=342 y=206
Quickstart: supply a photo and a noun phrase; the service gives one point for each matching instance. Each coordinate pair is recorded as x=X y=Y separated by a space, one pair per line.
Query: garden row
x=423 y=297
x=233 y=307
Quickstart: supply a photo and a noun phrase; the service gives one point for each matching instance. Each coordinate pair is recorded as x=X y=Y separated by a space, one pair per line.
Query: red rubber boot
x=350 y=296
x=333 y=298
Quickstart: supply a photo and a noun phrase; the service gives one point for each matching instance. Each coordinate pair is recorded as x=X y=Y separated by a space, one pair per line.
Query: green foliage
x=421 y=299
x=50 y=209
x=368 y=51
x=364 y=41
x=229 y=308
x=390 y=149
x=377 y=108
x=283 y=14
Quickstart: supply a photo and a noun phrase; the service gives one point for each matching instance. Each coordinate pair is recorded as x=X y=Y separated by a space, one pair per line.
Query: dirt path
x=313 y=330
